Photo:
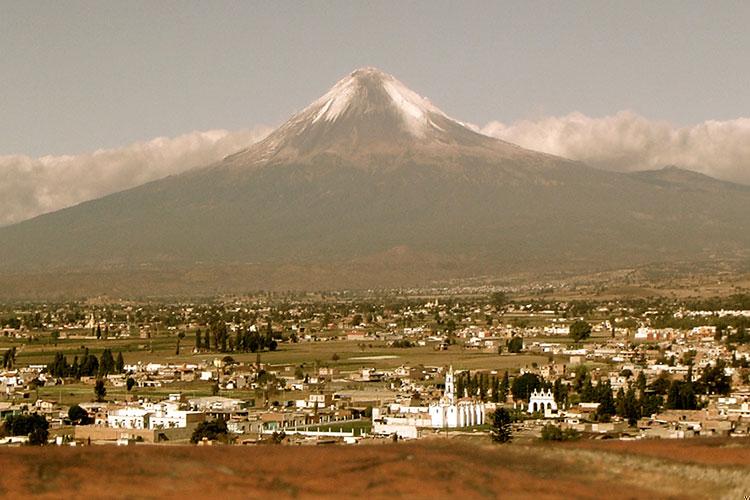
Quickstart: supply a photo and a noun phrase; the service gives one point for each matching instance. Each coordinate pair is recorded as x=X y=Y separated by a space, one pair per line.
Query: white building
x=169 y=416
x=542 y=401
x=129 y=418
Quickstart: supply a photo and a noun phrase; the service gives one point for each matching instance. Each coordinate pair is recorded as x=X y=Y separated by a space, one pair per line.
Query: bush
x=213 y=430
x=551 y=432
x=402 y=343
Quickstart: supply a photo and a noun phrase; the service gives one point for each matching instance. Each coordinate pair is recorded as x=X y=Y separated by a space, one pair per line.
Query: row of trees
x=217 y=338
x=34 y=426
x=483 y=385
x=88 y=366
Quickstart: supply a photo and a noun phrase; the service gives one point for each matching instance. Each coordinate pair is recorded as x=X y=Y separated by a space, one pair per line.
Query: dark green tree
x=99 y=390
x=501 y=430
x=34 y=426
x=714 y=380
x=212 y=430
x=524 y=385
x=78 y=416
x=580 y=330
x=515 y=345
x=119 y=363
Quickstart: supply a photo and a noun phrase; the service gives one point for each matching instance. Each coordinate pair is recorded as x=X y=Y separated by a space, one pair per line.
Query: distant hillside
x=375 y=179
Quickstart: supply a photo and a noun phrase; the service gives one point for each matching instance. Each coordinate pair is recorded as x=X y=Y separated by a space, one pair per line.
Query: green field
x=351 y=357
x=161 y=349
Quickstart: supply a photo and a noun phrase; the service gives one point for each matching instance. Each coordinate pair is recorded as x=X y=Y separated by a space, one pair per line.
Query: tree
x=504 y=386
x=515 y=345
x=715 y=380
x=78 y=416
x=661 y=385
x=129 y=383
x=278 y=437
x=499 y=299
x=681 y=396
x=9 y=358
x=560 y=391
x=495 y=390
x=651 y=404
x=640 y=383
x=501 y=431
x=198 y=342
x=212 y=430
x=106 y=363
x=580 y=330
x=99 y=390
x=524 y=385
x=632 y=408
x=119 y=363
x=335 y=357
x=34 y=426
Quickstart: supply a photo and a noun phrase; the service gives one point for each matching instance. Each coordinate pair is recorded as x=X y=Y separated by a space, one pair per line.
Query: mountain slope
x=372 y=172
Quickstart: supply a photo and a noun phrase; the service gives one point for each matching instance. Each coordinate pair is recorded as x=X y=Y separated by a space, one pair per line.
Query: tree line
x=218 y=339
x=87 y=366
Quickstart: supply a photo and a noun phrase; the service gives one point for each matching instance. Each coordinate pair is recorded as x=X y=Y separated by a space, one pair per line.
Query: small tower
x=450 y=389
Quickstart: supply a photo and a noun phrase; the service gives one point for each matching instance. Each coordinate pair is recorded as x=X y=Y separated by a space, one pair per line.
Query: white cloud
x=32 y=186
x=628 y=142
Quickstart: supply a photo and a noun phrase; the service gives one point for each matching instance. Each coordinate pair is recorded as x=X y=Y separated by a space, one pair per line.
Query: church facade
x=450 y=412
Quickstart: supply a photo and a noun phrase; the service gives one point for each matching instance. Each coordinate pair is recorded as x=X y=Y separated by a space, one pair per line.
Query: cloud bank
x=32 y=186
x=627 y=142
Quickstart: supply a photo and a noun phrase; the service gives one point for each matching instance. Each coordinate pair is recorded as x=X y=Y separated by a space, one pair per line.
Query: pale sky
x=77 y=76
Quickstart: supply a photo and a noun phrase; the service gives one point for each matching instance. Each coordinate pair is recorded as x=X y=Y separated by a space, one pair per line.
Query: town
x=348 y=368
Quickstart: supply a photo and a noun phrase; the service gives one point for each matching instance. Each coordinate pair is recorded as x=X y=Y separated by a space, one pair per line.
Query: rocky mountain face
x=374 y=179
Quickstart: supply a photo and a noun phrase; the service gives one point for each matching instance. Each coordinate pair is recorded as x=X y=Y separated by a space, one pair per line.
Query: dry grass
x=437 y=469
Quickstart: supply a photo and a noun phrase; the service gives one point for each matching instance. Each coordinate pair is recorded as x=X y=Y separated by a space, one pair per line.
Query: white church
x=448 y=412
x=451 y=413
x=542 y=401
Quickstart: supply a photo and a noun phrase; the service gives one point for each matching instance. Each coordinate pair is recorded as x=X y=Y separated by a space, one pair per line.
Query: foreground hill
x=443 y=469
x=373 y=174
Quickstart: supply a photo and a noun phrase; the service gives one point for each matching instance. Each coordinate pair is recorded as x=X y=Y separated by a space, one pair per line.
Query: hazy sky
x=76 y=76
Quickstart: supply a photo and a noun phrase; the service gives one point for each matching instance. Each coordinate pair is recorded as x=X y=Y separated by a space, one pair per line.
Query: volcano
x=373 y=185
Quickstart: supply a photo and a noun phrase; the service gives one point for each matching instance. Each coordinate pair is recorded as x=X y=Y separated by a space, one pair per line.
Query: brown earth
x=435 y=469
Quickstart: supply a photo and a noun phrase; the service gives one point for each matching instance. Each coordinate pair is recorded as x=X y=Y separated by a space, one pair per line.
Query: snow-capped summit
x=362 y=87
x=364 y=113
